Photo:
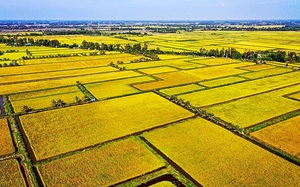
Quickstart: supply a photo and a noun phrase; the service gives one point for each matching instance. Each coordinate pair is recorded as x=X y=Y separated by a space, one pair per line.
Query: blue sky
x=149 y=9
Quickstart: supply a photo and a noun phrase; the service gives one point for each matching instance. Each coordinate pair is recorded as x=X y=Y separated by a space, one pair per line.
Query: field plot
x=55 y=74
x=215 y=157
x=222 y=81
x=215 y=61
x=168 y=80
x=227 y=93
x=295 y=96
x=104 y=166
x=181 y=89
x=6 y=144
x=56 y=132
x=265 y=73
x=70 y=39
x=283 y=135
x=191 y=76
x=10 y=174
x=43 y=99
x=47 y=84
x=59 y=66
x=169 y=57
x=157 y=70
x=115 y=56
x=163 y=184
x=116 y=88
x=255 y=109
x=257 y=67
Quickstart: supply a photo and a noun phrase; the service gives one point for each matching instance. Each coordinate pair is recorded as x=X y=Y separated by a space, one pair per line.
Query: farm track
x=21 y=151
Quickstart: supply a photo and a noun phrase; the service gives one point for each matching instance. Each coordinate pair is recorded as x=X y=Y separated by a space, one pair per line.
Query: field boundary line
x=238 y=98
x=170 y=161
x=98 y=145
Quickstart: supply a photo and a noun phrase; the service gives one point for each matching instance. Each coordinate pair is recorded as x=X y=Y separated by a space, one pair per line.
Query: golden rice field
x=258 y=67
x=78 y=63
x=255 y=109
x=222 y=81
x=223 y=94
x=115 y=88
x=224 y=158
x=78 y=39
x=52 y=133
x=55 y=83
x=10 y=174
x=43 y=99
x=191 y=76
x=133 y=133
x=55 y=74
x=241 y=40
x=157 y=70
x=265 y=73
x=283 y=135
x=181 y=89
x=6 y=144
x=295 y=96
x=214 y=61
x=102 y=166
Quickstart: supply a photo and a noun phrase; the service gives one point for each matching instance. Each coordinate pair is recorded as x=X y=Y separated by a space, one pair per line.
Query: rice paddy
x=144 y=118
x=224 y=159
x=6 y=144
x=52 y=133
x=10 y=174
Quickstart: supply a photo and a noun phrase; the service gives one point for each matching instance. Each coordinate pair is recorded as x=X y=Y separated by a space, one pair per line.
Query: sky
x=149 y=9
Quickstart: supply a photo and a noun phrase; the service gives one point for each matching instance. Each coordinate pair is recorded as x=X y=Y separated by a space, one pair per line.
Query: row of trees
x=279 y=56
x=16 y=41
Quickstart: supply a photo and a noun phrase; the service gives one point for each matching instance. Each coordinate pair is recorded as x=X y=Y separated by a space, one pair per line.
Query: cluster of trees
x=228 y=53
x=16 y=41
x=13 y=63
x=58 y=103
x=102 y=46
x=279 y=56
x=142 y=59
x=138 y=49
x=117 y=66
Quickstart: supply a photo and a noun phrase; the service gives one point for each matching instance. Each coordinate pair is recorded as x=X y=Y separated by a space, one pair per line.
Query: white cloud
x=222 y=5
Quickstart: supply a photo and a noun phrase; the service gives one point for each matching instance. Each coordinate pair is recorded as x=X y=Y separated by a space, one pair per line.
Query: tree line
x=17 y=41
